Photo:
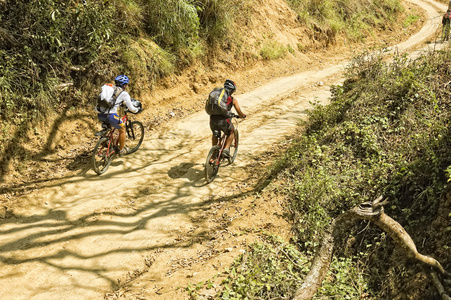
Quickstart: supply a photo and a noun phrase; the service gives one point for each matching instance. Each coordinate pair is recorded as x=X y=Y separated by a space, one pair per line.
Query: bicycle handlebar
x=126 y=110
x=232 y=115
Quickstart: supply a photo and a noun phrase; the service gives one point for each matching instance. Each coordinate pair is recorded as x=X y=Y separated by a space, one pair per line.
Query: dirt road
x=75 y=237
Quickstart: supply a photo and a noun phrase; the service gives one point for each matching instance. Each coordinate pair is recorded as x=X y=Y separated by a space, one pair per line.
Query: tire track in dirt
x=74 y=237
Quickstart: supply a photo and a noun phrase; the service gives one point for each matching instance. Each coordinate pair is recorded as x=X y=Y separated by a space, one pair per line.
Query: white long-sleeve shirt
x=123 y=98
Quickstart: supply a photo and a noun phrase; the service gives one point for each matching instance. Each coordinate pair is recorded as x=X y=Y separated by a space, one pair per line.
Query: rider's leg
x=214 y=125
x=214 y=140
x=230 y=140
x=230 y=131
x=117 y=123
x=121 y=138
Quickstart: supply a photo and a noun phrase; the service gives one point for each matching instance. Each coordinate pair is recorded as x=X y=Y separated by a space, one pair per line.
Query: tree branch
x=374 y=212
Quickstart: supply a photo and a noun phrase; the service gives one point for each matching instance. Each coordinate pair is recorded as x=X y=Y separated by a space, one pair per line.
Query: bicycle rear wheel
x=234 y=147
x=211 y=164
x=101 y=157
x=135 y=135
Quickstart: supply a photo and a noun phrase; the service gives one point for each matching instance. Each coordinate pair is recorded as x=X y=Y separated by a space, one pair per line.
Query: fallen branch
x=374 y=212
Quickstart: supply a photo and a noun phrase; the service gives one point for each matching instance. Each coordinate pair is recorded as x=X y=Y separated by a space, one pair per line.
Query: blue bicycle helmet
x=230 y=86
x=121 y=80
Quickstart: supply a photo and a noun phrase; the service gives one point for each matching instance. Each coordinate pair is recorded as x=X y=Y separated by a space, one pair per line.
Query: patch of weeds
x=272 y=50
x=345 y=280
x=269 y=270
x=411 y=19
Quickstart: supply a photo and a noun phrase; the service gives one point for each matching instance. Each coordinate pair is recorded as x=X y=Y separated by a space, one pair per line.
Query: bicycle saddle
x=105 y=128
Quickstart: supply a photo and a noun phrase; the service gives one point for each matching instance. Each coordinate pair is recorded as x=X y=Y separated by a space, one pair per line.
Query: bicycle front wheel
x=234 y=147
x=101 y=157
x=135 y=135
x=211 y=164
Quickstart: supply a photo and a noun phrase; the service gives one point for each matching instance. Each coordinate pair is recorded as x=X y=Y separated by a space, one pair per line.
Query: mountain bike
x=216 y=157
x=108 y=145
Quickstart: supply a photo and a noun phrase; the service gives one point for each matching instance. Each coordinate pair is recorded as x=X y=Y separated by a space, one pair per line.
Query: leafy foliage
x=49 y=44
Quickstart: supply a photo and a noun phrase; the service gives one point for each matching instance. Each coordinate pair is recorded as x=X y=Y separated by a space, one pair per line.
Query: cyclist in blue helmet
x=110 y=115
x=224 y=123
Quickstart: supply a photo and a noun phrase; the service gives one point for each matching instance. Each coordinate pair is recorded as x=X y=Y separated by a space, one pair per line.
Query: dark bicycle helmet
x=230 y=86
x=121 y=80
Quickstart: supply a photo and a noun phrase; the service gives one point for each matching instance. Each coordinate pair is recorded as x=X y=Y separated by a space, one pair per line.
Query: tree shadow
x=16 y=149
x=42 y=237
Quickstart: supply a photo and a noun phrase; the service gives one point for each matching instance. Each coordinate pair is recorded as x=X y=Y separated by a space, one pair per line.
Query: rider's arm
x=238 y=109
x=128 y=102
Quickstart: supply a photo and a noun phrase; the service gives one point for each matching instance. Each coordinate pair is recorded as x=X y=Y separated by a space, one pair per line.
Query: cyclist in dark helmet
x=223 y=123
x=110 y=114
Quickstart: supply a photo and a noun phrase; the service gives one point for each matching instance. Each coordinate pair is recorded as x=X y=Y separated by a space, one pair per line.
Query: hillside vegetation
x=55 y=54
x=385 y=132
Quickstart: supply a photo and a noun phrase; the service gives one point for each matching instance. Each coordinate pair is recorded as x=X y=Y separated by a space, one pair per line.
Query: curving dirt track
x=76 y=236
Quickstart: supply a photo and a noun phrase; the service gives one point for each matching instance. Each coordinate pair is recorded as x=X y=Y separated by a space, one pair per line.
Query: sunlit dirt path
x=76 y=236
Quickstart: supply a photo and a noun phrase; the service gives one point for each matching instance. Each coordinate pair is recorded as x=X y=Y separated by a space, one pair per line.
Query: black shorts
x=221 y=123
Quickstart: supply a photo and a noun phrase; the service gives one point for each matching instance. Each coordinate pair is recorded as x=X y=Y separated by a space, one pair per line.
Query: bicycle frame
x=215 y=155
x=112 y=141
x=221 y=144
x=108 y=144
x=222 y=140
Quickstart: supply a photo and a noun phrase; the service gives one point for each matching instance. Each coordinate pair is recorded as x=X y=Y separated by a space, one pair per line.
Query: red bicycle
x=108 y=145
x=215 y=156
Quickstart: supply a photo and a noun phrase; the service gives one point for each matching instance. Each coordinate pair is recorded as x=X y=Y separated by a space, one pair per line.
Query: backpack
x=217 y=103
x=107 y=97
